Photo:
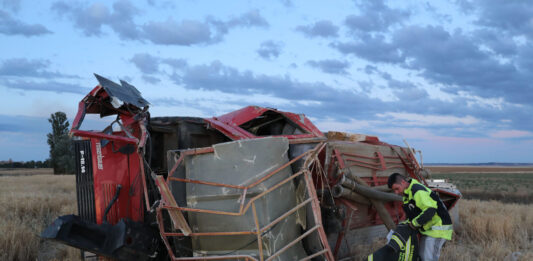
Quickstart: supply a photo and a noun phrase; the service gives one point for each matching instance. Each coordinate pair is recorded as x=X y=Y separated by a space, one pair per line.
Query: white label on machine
x=99 y=156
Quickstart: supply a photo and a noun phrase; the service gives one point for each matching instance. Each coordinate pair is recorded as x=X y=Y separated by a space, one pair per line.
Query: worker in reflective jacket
x=425 y=213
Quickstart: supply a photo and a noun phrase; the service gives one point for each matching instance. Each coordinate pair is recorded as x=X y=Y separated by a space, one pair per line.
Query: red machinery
x=141 y=196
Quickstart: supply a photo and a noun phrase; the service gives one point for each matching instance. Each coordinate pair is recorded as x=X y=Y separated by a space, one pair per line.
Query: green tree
x=61 y=150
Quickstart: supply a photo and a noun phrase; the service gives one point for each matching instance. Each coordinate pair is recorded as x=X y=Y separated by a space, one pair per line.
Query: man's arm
x=428 y=206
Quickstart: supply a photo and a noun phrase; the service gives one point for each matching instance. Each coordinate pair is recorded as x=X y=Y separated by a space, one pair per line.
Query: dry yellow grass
x=27 y=205
x=490 y=230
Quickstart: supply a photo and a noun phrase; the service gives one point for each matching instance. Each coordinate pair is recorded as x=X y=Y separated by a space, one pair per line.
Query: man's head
x=397 y=183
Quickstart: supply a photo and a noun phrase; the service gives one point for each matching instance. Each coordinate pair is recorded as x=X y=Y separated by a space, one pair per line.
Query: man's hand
x=412 y=226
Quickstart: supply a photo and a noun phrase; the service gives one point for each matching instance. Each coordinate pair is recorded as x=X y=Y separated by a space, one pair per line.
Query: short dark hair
x=395 y=178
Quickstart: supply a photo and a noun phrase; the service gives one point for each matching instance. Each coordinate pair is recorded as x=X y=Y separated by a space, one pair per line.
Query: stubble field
x=28 y=203
x=505 y=184
x=490 y=230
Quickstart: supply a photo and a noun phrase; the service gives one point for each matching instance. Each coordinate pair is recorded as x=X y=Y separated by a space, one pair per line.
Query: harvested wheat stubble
x=27 y=205
x=505 y=187
x=490 y=230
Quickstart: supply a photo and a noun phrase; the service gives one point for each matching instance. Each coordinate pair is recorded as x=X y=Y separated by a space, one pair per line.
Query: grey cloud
x=12 y=26
x=187 y=32
x=121 y=20
x=333 y=102
x=270 y=49
x=465 y=6
x=14 y=5
x=331 y=66
x=177 y=64
x=323 y=28
x=372 y=48
x=525 y=60
x=369 y=69
x=190 y=32
x=217 y=76
x=405 y=90
x=498 y=44
x=375 y=16
x=23 y=67
x=514 y=17
x=151 y=79
x=47 y=86
x=149 y=64
x=248 y=19
x=396 y=84
x=329 y=101
x=410 y=95
x=454 y=60
x=146 y=63
x=90 y=19
x=366 y=86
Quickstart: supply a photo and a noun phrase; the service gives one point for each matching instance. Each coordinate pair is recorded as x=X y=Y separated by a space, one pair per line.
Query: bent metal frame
x=169 y=204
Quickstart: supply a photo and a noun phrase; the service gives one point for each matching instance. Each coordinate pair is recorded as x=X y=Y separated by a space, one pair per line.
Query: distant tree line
x=25 y=164
x=61 y=149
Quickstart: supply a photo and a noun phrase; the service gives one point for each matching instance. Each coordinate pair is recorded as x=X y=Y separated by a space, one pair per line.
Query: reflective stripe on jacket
x=424 y=209
x=402 y=246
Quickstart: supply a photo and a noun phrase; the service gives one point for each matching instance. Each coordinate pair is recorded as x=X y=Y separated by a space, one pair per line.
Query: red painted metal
x=103 y=136
x=111 y=167
x=229 y=124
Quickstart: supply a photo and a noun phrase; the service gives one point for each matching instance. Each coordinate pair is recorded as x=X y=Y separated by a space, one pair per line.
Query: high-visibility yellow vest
x=424 y=209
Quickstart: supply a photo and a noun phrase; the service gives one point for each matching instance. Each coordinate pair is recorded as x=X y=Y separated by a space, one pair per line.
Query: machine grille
x=84 y=180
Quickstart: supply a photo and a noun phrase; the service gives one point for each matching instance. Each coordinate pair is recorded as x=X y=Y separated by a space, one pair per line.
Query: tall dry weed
x=27 y=205
x=492 y=230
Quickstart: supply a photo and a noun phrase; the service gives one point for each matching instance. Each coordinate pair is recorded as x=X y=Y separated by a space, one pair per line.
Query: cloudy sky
x=453 y=78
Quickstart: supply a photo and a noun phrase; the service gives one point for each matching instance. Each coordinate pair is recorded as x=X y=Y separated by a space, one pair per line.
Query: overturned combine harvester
x=253 y=184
